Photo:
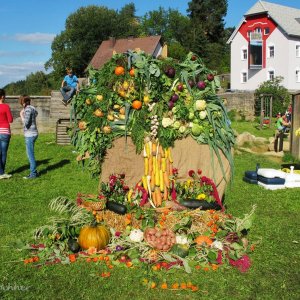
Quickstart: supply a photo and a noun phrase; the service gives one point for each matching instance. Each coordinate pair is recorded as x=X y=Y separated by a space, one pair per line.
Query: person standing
x=5 y=119
x=69 y=86
x=28 y=116
x=281 y=126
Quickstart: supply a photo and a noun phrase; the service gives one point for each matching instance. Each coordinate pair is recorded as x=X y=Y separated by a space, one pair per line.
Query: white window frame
x=297 y=50
x=271 y=46
x=298 y=75
x=244 y=53
x=244 y=77
x=271 y=74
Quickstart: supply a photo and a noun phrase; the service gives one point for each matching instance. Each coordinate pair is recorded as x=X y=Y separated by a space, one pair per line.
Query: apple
x=88 y=101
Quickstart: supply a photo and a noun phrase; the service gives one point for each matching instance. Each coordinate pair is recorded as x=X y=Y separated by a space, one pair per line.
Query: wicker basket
x=95 y=205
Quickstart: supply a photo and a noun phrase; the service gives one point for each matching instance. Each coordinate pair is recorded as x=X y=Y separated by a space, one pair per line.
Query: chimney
x=112 y=41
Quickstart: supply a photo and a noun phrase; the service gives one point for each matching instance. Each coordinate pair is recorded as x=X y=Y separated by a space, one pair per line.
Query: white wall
x=284 y=63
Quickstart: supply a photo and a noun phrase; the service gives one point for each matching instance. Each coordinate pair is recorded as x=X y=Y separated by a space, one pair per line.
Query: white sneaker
x=5 y=176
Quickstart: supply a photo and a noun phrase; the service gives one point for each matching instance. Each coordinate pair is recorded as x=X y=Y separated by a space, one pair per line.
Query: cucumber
x=116 y=207
x=193 y=204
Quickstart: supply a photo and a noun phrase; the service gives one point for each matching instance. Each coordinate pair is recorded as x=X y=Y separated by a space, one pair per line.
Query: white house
x=266 y=44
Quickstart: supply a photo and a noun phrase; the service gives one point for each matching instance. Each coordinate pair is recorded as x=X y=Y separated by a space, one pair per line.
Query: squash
x=116 y=207
x=94 y=236
x=180 y=250
x=119 y=70
x=203 y=240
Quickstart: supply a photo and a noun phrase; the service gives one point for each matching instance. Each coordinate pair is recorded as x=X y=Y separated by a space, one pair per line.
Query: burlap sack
x=187 y=155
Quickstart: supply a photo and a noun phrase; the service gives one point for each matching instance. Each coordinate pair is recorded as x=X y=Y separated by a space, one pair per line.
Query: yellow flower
x=201 y=196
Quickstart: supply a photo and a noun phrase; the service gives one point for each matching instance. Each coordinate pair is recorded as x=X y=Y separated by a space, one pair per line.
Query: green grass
x=254 y=128
x=23 y=207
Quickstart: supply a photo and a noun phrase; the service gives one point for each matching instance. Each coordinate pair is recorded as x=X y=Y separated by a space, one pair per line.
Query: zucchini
x=116 y=207
x=193 y=204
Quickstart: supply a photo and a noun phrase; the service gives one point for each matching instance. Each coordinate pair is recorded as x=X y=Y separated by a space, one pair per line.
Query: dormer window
x=267 y=31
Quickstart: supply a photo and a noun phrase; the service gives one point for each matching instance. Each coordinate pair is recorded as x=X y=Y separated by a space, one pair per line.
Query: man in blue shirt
x=69 y=86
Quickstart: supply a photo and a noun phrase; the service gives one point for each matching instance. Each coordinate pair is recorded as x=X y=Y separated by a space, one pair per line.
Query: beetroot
x=191 y=83
x=180 y=87
x=210 y=77
x=171 y=104
x=201 y=85
x=170 y=72
x=174 y=98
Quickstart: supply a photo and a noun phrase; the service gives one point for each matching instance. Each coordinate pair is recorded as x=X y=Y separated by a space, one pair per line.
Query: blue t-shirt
x=71 y=80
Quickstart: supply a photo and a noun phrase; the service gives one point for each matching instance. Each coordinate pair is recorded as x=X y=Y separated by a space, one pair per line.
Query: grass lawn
x=274 y=273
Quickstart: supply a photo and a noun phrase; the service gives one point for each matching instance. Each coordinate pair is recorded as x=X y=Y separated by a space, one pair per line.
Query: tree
x=207 y=30
x=76 y=45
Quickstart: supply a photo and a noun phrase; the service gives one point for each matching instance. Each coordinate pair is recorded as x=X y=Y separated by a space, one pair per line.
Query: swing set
x=266 y=108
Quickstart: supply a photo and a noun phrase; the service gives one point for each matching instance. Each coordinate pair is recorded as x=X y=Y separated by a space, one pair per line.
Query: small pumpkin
x=94 y=236
x=203 y=240
x=131 y=72
x=119 y=70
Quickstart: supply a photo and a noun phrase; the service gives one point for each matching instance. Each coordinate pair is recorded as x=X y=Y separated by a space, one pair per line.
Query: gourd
x=180 y=250
x=116 y=207
x=73 y=245
x=203 y=240
x=94 y=236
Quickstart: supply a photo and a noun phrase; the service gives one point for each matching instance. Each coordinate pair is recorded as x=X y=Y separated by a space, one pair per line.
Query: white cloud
x=14 y=72
x=20 y=53
x=35 y=38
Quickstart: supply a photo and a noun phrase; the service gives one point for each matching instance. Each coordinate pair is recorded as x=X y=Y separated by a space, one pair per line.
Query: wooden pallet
x=62 y=137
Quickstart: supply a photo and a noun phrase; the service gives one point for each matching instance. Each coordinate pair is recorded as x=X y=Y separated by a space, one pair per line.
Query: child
x=69 y=86
x=28 y=116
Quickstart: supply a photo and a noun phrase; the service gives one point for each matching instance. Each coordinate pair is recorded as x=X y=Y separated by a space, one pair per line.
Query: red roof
x=105 y=51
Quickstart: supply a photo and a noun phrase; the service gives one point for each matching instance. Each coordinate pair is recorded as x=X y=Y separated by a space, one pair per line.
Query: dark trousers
x=278 y=139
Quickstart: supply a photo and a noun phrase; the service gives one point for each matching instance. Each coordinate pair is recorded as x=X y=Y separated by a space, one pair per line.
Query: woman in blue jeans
x=5 y=119
x=28 y=115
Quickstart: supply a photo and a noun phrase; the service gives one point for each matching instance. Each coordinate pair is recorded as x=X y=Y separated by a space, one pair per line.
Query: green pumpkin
x=180 y=250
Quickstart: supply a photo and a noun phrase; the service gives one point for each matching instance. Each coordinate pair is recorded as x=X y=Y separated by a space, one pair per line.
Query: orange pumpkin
x=203 y=239
x=119 y=70
x=136 y=104
x=93 y=236
x=131 y=72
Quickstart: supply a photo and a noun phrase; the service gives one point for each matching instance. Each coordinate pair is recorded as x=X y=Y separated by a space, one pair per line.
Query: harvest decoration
x=148 y=99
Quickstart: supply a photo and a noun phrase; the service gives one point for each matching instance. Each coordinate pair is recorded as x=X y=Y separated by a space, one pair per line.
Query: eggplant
x=193 y=204
x=116 y=207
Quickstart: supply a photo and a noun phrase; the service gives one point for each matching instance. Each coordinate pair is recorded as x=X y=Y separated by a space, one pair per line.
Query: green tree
x=281 y=96
x=207 y=30
x=84 y=31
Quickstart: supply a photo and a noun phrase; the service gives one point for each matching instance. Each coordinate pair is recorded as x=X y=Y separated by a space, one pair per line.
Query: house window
x=298 y=75
x=267 y=31
x=255 y=54
x=244 y=54
x=271 y=51
x=248 y=33
x=297 y=50
x=244 y=77
x=271 y=75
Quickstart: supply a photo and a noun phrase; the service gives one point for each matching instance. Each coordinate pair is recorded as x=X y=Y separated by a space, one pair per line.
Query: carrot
x=146 y=166
x=152 y=182
x=170 y=155
x=154 y=163
x=150 y=167
x=166 y=179
x=154 y=148
x=163 y=164
x=161 y=151
x=165 y=193
x=153 y=194
x=171 y=169
x=158 y=196
x=167 y=166
x=161 y=180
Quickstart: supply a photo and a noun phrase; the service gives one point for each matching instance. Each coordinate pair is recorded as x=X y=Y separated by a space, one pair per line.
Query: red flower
x=199 y=172
x=191 y=173
x=175 y=171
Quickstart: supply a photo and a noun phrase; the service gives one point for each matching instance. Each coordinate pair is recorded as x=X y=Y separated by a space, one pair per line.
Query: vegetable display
x=152 y=101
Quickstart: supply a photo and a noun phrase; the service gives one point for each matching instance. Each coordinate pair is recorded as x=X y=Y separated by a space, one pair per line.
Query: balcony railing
x=255 y=36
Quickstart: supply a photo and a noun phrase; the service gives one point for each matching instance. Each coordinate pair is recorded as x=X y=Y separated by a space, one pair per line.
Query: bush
x=281 y=96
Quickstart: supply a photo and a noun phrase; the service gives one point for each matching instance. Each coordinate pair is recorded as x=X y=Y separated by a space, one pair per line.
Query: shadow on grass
x=26 y=167
x=55 y=166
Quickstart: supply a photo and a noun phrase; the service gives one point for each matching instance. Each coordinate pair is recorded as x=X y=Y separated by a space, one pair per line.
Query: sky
x=28 y=27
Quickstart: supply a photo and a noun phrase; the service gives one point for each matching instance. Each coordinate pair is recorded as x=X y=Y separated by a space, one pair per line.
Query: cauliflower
x=181 y=239
x=166 y=122
x=200 y=105
x=202 y=114
x=136 y=235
